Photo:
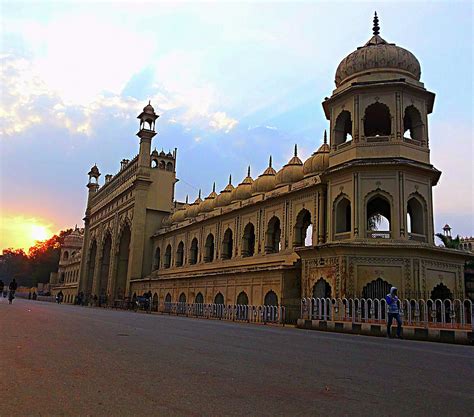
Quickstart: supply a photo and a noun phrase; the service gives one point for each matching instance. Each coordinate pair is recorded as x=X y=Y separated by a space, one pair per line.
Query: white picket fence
x=424 y=313
x=250 y=314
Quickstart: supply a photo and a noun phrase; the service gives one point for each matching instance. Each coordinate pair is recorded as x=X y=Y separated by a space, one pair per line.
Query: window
x=169 y=167
x=219 y=298
x=377 y=288
x=182 y=297
x=441 y=292
x=180 y=254
x=242 y=299
x=193 y=252
x=272 y=239
x=167 y=259
x=156 y=261
x=199 y=298
x=209 y=248
x=343 y=128
x=302 y=227
x=377 y=120
x=415 y=222
x=343 y=215
x=321 y=289
x=412 y=124
x=227 y=245
x=378 y=214
x=248 y=241
x=168 y=298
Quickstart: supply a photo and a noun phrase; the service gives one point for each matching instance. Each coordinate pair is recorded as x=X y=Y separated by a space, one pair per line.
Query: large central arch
x=91 y=268
x=105 y=266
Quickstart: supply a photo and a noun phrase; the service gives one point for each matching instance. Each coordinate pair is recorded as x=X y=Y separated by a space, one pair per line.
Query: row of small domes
x=270 y=179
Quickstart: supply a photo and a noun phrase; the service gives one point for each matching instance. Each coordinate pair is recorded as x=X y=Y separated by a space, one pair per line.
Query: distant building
x=352 y=220
x=67 y=277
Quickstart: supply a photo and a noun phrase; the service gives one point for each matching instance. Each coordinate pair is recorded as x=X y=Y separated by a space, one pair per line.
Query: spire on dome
x=248 y=171
x=199 y=196
x=325 y=137
x=214 y=187
x=296 y=149
x=186 y=199
x=376 y=27
x=230 y=179
x=270 y=162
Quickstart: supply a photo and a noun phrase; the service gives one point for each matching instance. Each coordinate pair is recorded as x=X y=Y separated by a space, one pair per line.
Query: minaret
x=146 y=134
x=93 y=184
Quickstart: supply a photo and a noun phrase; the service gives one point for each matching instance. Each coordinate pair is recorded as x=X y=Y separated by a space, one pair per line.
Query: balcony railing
x=417 y=237
x=342 y=236
x=378 y=234
x=377 y=138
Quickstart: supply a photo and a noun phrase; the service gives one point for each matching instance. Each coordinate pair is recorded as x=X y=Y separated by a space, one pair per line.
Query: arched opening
x=302 y=227
x=209 y=248
x=441 y=292
x=155 y=302
x=182 y=297
x=62 y=277
x=154 y=163
x=168 y=298
x=105 y=264
x=415 y=218
x=378 y=217
x=199 y=298
x=271 y=299
x=412 y=124
x=219 y=298
x=157 y=259
x=91 y=267
x=167 y=258
x=193 y=252
x=248 y=240
x=272 y=238
x=161 y=165
x=169 y=167
x=377 y=120
x=65 y=255
x=122 y=264
x=321 y=289
x=180 y=254
x=343 y=128
x=343 y=215
x=377 y=288
x=242 y=299
x=227 y=245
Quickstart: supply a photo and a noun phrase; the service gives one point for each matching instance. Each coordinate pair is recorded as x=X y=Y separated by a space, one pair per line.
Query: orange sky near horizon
x=22 y=232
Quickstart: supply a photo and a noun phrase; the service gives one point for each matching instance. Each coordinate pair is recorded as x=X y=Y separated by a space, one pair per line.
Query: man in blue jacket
x=393 y=312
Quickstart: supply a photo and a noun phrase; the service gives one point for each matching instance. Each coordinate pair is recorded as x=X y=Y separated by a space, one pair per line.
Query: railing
x=420 y=313
x=342 y=235
x=246 y=313
x=380 y=138
x=416 y=237
x=378 y=234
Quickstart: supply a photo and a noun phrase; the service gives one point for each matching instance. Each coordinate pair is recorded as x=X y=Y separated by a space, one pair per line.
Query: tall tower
x=379 y=176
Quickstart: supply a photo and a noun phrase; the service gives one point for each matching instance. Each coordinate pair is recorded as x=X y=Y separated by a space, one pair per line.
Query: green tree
x=448 y=241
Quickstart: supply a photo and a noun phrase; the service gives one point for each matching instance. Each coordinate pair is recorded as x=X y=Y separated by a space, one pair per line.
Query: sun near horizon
x=20 y=232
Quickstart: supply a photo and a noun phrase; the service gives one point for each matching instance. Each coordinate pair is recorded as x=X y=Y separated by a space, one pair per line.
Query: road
x=61 y=360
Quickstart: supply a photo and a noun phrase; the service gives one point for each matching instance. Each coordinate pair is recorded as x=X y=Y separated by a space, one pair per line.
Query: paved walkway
x=75 y=361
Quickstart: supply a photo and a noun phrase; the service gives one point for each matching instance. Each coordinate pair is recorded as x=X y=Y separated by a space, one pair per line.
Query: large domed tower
x=379 y=176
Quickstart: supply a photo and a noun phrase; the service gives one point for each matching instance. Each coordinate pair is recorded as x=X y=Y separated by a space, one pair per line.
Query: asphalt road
x=75 y=361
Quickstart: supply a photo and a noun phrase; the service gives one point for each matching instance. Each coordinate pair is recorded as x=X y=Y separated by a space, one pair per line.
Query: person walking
x=12 y=287
x=393 y=312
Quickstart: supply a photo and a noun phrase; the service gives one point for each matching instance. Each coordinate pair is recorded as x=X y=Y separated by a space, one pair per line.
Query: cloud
x=220 y=121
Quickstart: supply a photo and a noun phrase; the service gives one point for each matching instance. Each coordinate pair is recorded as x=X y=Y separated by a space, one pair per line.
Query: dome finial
x=270 y=162
x=214 y=187
x=230 y=179
x=325 y=137
x=199 y=196
x=186 y=198
x=296 y=149
x=376 y=27
x=248 y=171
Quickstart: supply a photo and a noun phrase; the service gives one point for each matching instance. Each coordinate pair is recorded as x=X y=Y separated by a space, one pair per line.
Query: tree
x=448 y=241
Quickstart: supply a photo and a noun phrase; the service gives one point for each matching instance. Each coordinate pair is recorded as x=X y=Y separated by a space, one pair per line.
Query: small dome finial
x=149 y=102
x=325 y=137
x=296 y=149
x=248 y=171
x=376 y=27
x=199 y=196
x=186 y=198
x=214 y=187
x=270 y=162
x=230 y=179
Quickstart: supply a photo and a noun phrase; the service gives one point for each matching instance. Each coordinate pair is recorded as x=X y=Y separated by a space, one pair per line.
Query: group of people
x=11 y=290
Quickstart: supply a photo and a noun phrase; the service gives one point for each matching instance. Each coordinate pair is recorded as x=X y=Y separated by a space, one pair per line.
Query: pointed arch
x=441 y=292
x=248 y=240
x=193 y=252
x=378 y=288
x=157 y=259
x=122 y=258
x=416 y=216
x=242 y=299
x=180 y=254
x=342 y=214
x=343 y=128
x=219 y=298
x=378 y=208
x=301 y=229
x=209 y=248
x=227 y=244
x=377 y=120
x=182 y=297
x=105 y=264
x=413 y=124
x=199 y=299
x=167 y=258
x=273 y=235
x=271 y=299
x=321 y=289
x=90 y=268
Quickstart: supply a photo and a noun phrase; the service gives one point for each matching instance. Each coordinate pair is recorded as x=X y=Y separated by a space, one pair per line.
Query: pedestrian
x=393 y=312
x=59 y=297
x=35 y=296
x=12 y=287
x=29 y=295
x=2 y=285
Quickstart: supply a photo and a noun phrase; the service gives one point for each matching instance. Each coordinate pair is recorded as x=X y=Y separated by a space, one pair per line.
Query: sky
x=232 y=83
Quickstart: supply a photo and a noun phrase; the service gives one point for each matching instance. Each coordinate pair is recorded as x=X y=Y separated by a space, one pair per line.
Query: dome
x=162 y=153
x=225 y=196
x=167 y=220
x=377 y=56
x=73 y=239
x=154 y=153
x=193 y=209
x=94 y=171
x=243 y=190
x=318 y=161
x=180 y=214
x=291 y=172
x=149 y=109
x=266 y=181
x=209 y=202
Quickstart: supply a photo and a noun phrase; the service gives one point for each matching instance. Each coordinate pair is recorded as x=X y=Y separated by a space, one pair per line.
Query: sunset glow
x=21 y=232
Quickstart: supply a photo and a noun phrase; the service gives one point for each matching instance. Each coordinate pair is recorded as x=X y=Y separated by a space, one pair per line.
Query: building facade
x=66 y=279
x=352 y=220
